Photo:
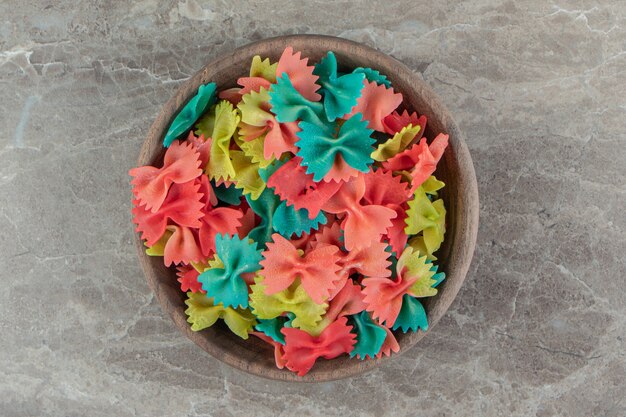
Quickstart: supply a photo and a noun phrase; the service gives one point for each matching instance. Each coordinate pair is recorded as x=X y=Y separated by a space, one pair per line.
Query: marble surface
x=538 y=87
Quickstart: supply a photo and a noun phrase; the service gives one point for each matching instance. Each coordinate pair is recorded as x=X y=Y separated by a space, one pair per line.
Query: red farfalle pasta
x=188 y=278
x=302 y=349
x=376 y=103
x=420 y=159
x=292 y=183
x=317 y=269
x=347 y=301
x=299 y=72
x=363 y=224
x=215 y=220
x=249 y=221
x=385 y=189
x=150 y=184
x=279 y=351
x=394 y=123
x=233 y=95
x=181 y=206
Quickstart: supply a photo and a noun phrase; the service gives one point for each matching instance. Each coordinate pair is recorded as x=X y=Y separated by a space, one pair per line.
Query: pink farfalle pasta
x=317 y=269
x=316 y=234
x=294 y=185
x=363 y=224
x=376 y=103
x=150 y=185
x=182 y=206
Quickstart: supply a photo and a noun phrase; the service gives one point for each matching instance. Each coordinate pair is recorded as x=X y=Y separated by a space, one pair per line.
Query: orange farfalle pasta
x=394 y=123
x=376 y=103
x=363 y=224
x=182 y=206
x=283 y=264
x=150 y=184
x=302 y=349
x=248 y=221
x=292 y=183
x=300 y=73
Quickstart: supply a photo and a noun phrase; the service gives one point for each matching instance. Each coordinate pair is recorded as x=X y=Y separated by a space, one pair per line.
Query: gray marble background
x=538 y=87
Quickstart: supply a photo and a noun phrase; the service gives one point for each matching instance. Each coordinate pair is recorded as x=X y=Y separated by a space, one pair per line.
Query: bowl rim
x=462 y=245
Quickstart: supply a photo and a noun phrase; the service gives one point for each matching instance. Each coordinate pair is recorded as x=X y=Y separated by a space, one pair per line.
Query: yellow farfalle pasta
x=396 y=144
x=293 y=300
x=203 y=313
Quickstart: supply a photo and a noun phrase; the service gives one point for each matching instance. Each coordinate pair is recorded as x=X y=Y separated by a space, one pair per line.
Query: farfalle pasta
x=299 y=206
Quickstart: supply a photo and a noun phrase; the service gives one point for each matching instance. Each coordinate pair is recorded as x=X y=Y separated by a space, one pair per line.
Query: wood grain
x=455 y=169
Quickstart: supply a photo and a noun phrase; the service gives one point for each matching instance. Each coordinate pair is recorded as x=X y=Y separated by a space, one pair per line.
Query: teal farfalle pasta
x=340 y=92
x=190 y=113
x=321 y=146
x=272 y=327
x=290 y=106
x=224 y=282
x=374 y=76
x=302 y=209
x=412 y=315
x=369 y=336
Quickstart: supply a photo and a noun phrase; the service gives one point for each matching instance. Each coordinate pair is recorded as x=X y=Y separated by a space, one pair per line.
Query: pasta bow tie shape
x=300 y=207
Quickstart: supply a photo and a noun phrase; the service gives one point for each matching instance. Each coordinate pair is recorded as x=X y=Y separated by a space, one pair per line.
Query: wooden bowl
x=455 y=169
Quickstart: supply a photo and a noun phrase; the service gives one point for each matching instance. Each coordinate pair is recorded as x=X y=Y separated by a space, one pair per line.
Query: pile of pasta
x=301 y=208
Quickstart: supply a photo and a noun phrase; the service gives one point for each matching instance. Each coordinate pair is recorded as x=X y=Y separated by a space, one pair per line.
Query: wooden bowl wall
x=455 y=169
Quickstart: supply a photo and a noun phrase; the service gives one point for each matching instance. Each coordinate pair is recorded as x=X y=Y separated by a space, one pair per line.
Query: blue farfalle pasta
x=340 y=92
x=225 y=283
